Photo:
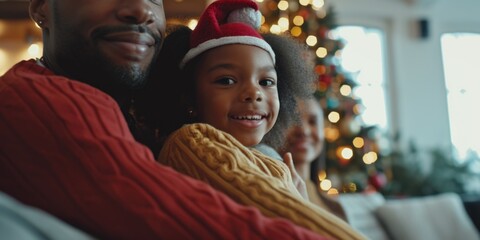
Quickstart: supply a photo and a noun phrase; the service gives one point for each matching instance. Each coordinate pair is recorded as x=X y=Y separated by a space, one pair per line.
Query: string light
x=304 y=2
x=358 y=109
x=192 y=23
x=283 y=23
x=345 y=153
x=283 y=5
x=311 y=40
x=370 y=157
x=321 y=52
x=322 y=175
x=320 y=69
x=351 y=187
x=321 y=13
x=332 y=191
x=296 y=31
x=275 y=29
x=33 y=50
x=298 y=20
x=317 y=4
x=325 y=185
x=331 y=134
x=345 y=90
x=333 y=117
x=358 y=142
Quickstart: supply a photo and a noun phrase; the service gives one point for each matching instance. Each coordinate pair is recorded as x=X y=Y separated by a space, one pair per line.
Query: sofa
x=444 y=216
x=19 y=221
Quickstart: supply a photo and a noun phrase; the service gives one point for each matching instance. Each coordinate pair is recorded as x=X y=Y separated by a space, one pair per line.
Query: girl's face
x=236 y=91
x=305 y=141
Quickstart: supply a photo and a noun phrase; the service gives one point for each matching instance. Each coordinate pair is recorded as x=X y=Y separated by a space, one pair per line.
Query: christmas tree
x=353 y=159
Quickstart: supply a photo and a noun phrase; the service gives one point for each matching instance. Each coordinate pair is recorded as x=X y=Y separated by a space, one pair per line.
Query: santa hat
x=227 y=22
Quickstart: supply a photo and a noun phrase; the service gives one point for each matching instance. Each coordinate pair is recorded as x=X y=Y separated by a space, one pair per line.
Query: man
x=65 y=146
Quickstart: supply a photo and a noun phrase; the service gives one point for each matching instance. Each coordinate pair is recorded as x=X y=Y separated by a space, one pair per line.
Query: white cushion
x=360 y=212
x=433 y=217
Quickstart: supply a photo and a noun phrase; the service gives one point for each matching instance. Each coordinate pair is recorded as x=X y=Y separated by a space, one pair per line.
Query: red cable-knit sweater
x=65 y=148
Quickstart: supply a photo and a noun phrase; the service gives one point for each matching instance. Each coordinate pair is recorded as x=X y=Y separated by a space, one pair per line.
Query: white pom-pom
x=246 y=15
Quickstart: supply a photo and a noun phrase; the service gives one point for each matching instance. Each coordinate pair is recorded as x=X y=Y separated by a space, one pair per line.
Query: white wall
x=416 y=90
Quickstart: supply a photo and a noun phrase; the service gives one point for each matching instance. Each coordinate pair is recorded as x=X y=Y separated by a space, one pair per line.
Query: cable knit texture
x=246 y=175
x=65 y=148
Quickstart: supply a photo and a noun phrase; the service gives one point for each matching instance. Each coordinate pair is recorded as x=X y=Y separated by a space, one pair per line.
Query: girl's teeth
x=248 y=117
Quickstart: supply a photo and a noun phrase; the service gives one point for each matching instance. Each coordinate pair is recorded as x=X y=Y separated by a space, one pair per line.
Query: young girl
x=182 y=97
x=229 y=86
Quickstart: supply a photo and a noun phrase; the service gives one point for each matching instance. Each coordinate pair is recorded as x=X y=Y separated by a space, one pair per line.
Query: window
x=461 y=58
x=363 y=57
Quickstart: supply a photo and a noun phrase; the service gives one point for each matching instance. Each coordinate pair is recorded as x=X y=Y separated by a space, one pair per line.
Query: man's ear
x=39 y=12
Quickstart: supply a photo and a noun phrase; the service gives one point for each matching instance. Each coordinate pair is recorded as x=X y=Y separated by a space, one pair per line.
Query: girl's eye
x=225 y=81
x=267 y=82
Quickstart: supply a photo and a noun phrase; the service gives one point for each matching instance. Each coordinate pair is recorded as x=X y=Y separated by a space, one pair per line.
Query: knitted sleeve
x=247 y=176
x=65 y=148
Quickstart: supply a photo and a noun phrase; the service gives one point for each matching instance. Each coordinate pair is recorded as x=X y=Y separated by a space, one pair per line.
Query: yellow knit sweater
x=248 y=177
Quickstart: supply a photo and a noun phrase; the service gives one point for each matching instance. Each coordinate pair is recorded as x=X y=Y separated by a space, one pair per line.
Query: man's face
x=109 y=43
x=236 y=91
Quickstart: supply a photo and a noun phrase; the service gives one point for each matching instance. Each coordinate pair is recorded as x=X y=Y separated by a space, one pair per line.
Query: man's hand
x=297 y=180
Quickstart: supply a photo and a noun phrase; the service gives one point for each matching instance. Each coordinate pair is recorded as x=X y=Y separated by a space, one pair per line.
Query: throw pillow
x=434 y=217
x=360 y=209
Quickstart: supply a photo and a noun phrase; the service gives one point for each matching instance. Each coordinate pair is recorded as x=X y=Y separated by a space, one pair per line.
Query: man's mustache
x=102 y=31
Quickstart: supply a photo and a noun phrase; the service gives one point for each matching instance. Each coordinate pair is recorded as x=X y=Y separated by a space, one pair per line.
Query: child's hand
x=297 y=180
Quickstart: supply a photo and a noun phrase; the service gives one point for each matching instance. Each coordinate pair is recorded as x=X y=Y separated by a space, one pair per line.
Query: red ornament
x=304 y=13
x=325 y=79
x=323 y=32
x=333 y=68
x=378 y=180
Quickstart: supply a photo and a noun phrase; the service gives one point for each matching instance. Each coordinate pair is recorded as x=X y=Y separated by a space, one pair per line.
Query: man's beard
x=98 y=71
x=110 y=76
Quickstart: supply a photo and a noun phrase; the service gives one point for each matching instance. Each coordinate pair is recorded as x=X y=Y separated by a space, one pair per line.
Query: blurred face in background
x=305 y=141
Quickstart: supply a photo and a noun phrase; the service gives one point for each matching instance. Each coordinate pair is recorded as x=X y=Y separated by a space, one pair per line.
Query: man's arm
x=66 y=149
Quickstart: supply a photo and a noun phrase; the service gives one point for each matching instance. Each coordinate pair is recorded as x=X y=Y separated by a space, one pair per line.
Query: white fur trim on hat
x=213 y=43
x=246 y=15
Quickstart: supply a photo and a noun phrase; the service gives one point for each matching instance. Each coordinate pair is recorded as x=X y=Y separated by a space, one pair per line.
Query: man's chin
x=127 y=76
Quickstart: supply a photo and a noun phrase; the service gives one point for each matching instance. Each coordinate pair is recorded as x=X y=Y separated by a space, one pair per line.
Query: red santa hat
x=227 y=22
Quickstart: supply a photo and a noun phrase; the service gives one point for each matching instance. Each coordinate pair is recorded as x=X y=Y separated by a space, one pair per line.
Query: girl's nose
x=252 y=94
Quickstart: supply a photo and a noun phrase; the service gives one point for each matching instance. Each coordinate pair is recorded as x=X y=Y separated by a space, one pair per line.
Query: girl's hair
x=160 y=105
x=168 y=96
x=296 y=78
